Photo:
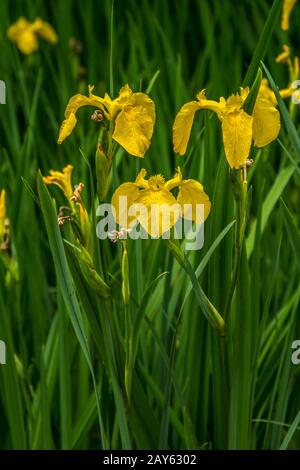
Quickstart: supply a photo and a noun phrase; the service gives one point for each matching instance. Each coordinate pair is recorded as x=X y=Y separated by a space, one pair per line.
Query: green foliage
x=84 y=368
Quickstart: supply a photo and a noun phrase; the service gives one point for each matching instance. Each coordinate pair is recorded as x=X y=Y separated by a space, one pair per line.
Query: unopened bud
x=97 y=116
x=125 y=276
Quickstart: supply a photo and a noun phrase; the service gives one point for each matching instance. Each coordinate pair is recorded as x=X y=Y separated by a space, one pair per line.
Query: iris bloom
x=293 y=65
x=266 y=93
x=62 y=179
x=2 y=215
x=239 y=129
x=287 y=8
x=26 y=34
x=152 y=203
x=132 y=114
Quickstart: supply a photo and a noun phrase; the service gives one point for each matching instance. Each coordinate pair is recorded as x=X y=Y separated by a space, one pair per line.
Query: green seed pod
x=125 y=276
x=102 y=173
x=102 y=164
x=90 y=274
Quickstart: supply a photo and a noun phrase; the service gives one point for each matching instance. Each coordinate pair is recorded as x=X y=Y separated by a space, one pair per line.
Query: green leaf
x=65 y=281
x=271 y=200
x=290 y=126
x=293 y=232
x=263 y=43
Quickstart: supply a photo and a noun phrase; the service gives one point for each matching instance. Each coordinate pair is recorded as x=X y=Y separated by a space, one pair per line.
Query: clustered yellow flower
x=239 y=129
x=62 y=179
x=26 y=34
x=293 y=65
x=131 y=114
x=152 y=203
x=287 y=8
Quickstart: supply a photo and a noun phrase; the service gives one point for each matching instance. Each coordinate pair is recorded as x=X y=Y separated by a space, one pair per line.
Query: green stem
x=239 y=186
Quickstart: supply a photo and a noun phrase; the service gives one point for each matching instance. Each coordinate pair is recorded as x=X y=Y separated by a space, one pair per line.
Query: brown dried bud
x=97 y=116
x=76 y=196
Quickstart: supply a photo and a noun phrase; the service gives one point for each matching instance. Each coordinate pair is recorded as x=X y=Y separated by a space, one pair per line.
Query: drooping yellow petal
x=66 y=127
x=191 y=194
x=45 y=30
x=266 y=122
x=62 y=179
x=76 y=102
x=157 y=210
x=183 y=125
x=133 y=129
x=79 y=100
x=185 y=117
x=237 y=137
x=287 y=8
x=122 y=199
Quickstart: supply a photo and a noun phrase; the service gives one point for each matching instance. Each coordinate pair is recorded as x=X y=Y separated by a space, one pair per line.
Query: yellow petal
x=141 y=99
x=133 y=129
x=237 y=137
x=266 y=122
x=124 y=94
x=288 y=5
x=16 y=28
x=76 y=102
x=283 y=56
x=27 y=42
x=79 y=100
x=122 y=199
x=184 y=120
x=175 y=181
x=62 y=179
x=45 y=30
x=266 y=92
x=157 y=210
x=190 y=194
x=66 y=127
x=212 y=105
x=140 y=180
x=183 y=125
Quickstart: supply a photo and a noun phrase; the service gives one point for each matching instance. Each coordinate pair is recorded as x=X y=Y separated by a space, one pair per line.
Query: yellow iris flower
x=239 y=129
x=62 y=179
x=2 y=215
x=287 y=8
x=26 y=34
x=161 y=208
x=133 y=115
x=284 y=56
